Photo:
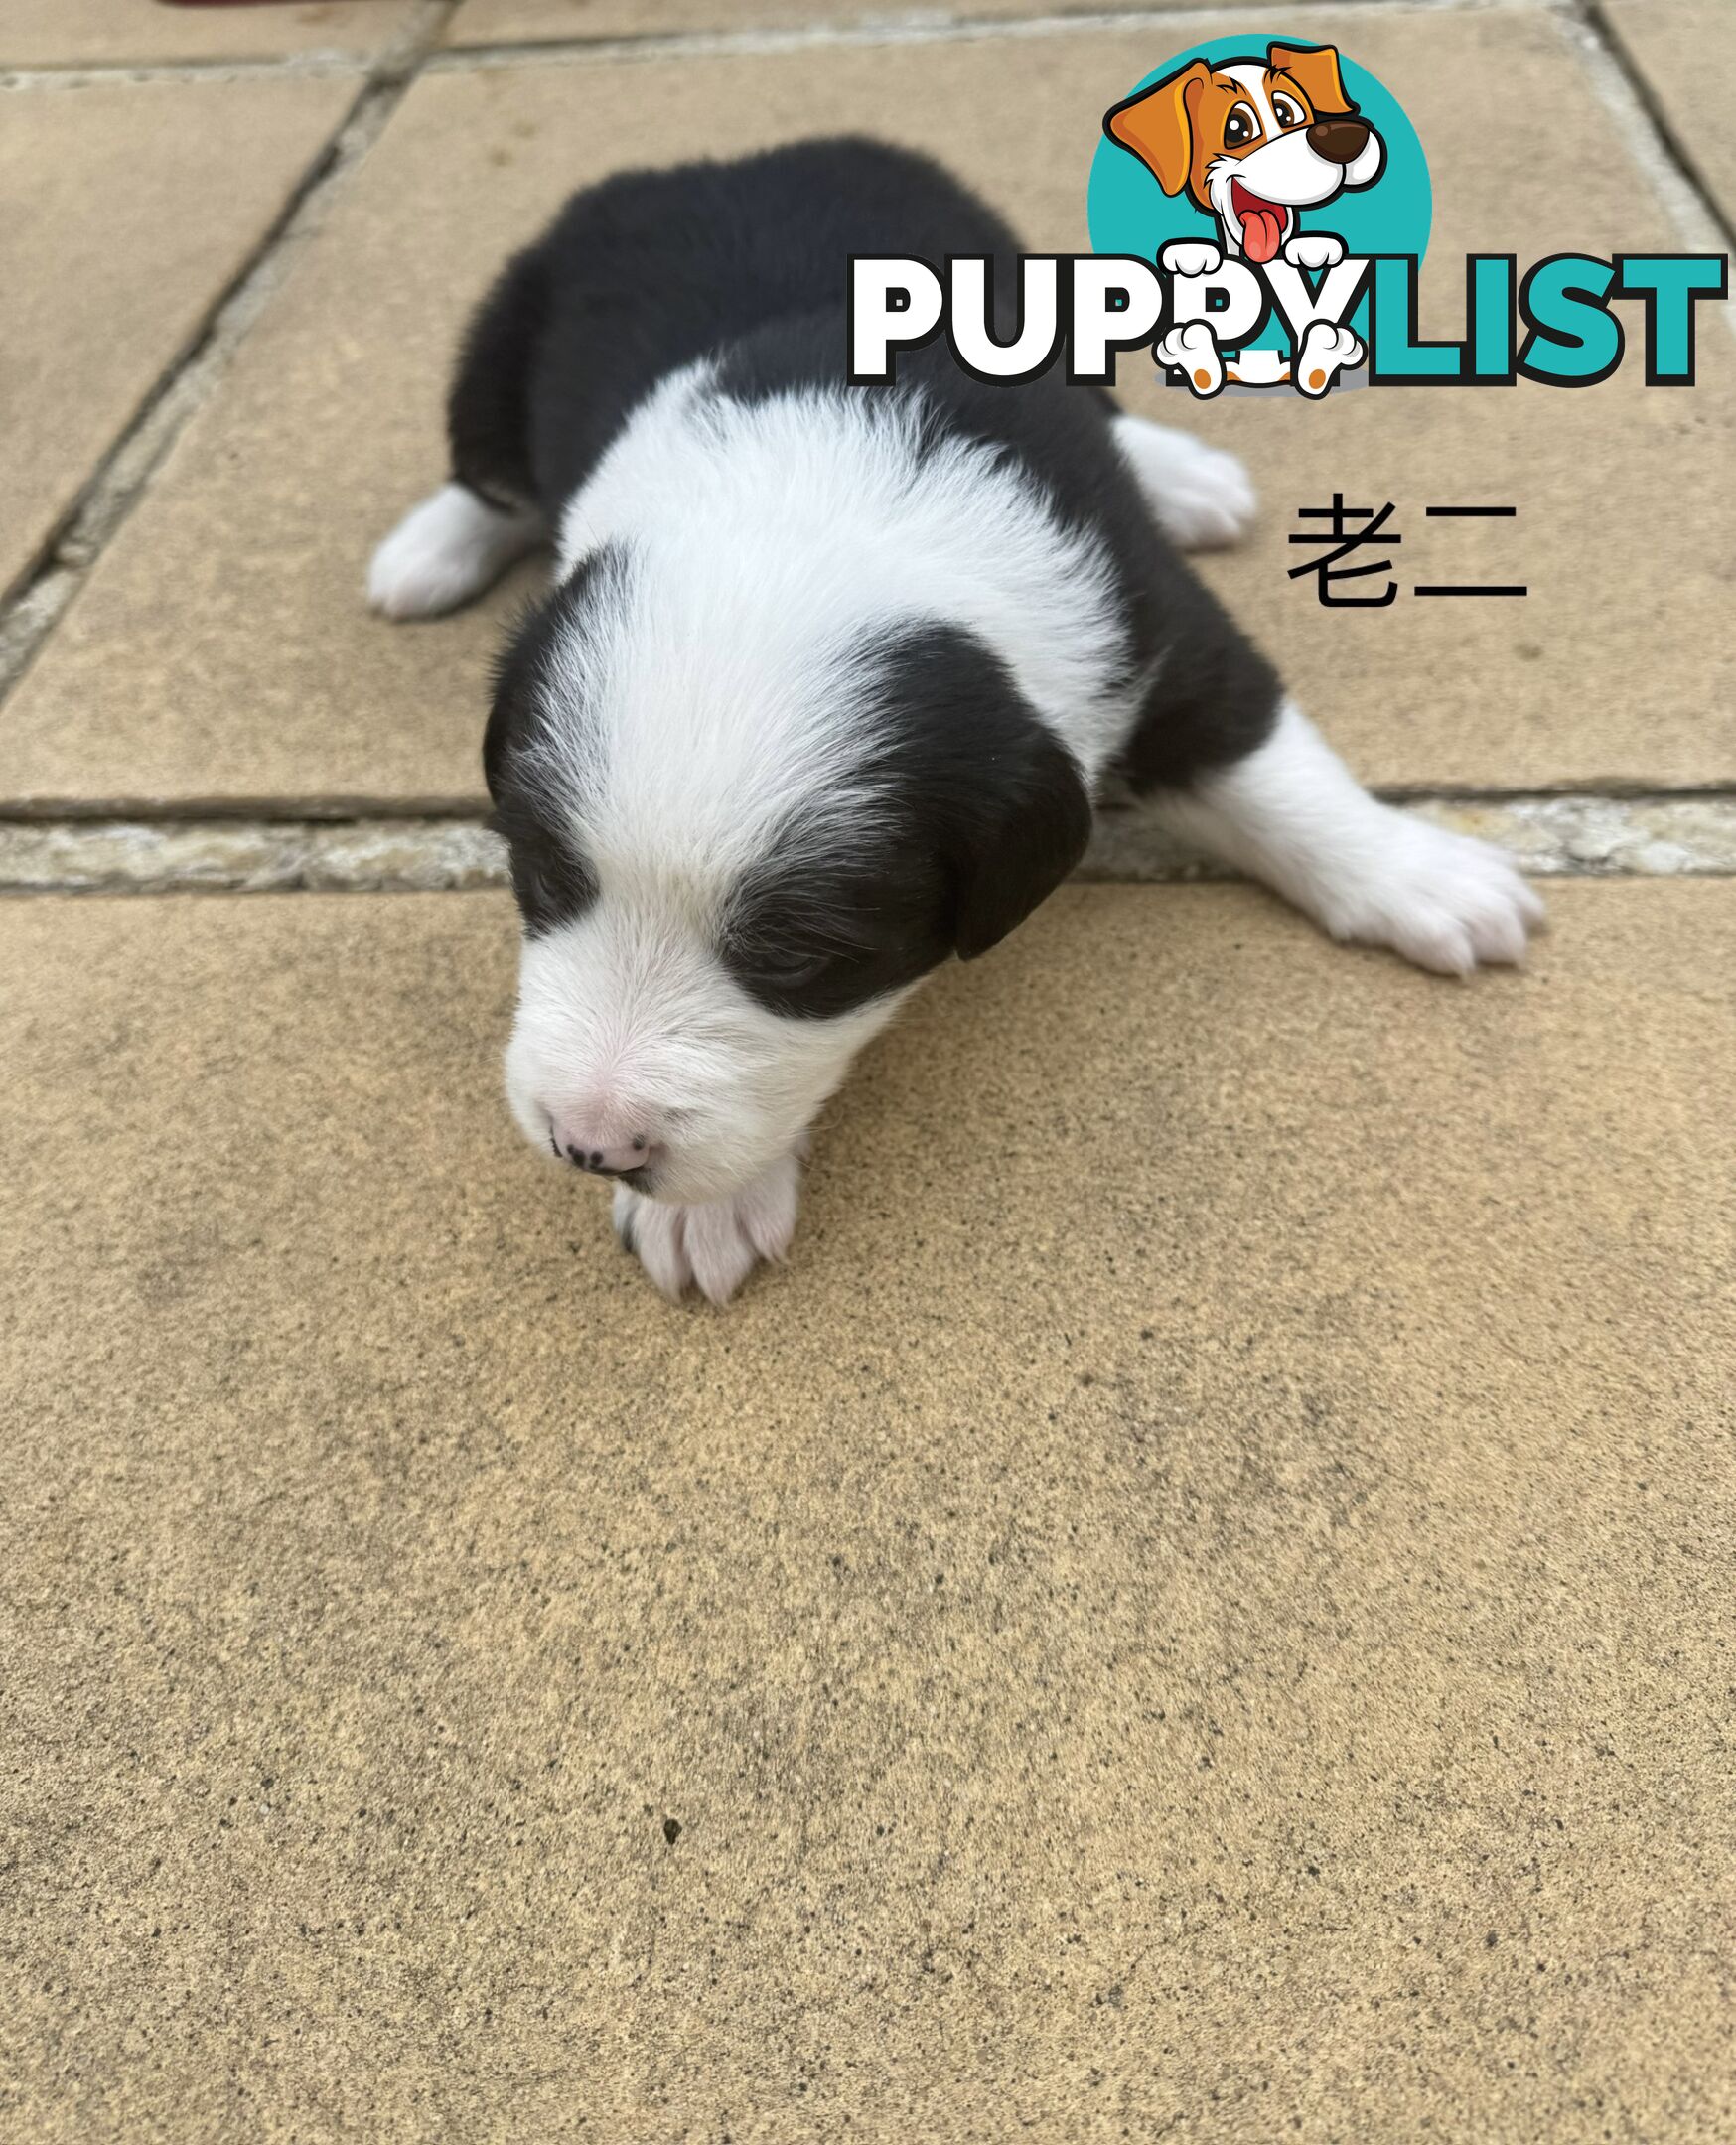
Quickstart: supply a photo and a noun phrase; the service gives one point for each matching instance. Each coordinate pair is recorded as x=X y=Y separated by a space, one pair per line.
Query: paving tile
x=235 y=589
x=1200 y=1596
x=105 y=32
x=526 y=21
x=132 y=208
x=1684 y=52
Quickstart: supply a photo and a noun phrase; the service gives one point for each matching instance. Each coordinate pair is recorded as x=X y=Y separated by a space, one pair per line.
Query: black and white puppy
x=829 y=677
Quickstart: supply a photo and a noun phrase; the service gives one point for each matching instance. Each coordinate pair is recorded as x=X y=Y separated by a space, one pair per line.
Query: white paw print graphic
x=1191 y=257
x=1314 y=249
x=1192 y=350
x=1326 y=352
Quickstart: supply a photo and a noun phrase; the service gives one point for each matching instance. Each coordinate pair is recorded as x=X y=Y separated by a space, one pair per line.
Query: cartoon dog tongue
x=1262 y=225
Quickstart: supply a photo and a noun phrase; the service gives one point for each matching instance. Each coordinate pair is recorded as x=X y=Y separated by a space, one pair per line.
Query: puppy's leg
x=1199 y=495
x=1290 y=812
x=712 y=1247
x=447 y=550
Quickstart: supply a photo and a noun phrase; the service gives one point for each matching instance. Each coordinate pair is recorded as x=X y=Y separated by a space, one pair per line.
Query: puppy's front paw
x=1192 y=350
x=1200 y=495
x=1445 y=901
x=1314 y=249
x=1191 y=257
x=715 y=1246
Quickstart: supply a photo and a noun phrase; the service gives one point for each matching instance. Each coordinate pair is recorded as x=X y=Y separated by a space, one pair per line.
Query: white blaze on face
x=1253 y=80
x=709 y=695
x=628 y=1020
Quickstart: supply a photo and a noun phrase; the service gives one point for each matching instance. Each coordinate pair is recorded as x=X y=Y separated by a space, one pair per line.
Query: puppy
x=1253 y=141
x=829 y=677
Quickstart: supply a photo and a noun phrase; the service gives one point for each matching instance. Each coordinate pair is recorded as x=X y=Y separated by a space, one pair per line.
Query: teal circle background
x=1127 y=212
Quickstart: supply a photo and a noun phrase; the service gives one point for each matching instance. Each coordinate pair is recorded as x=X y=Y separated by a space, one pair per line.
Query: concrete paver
x=1685 y=54
x=105 y=32
x=132 y=207
x=234 y=588
x=1199 y=1597
x=1196 y=1604
x=525 y=22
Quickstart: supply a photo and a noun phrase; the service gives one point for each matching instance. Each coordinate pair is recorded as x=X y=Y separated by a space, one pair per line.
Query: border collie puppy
x=829 y=676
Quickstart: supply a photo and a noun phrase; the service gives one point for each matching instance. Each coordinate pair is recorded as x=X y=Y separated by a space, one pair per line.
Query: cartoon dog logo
x=1254 y=142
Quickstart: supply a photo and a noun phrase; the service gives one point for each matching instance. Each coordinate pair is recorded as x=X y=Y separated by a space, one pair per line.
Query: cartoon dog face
x=1253 y=141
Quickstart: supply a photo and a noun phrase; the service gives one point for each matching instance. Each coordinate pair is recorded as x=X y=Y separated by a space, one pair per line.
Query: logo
x=1286 y=159
x=1259 y=209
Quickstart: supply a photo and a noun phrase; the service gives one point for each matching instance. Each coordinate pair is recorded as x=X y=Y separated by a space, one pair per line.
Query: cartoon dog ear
x=1314 y=71
x=1157 y=124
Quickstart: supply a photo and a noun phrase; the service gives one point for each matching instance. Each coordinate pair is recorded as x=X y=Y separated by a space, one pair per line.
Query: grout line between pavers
x=893 y=26
x=40 y=598
x=925 y=28
x=1646 y=133
x=360 y=809
x=108 y=74
x=1566 y=836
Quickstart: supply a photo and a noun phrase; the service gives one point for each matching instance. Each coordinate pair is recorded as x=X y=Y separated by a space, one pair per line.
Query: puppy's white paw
x=1443 y=899
x=1199 y=495
x=1191 y=257
x=445 y=552
x=1314 y=249
x=1326 y=352
x=1192 y=349
x=712 y=1247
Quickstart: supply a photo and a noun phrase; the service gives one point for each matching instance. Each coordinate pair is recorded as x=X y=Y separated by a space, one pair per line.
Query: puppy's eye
x=1285 y=113
x=790 y=968
x=1242 y=127
x=798 y=972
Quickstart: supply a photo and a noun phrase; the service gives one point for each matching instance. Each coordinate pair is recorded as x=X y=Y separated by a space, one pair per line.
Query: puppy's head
x=733 y=855
x=1252 y=141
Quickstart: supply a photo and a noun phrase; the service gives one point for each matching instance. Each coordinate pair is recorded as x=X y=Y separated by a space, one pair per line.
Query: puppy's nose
x=1339 y=141
x=603 y=1158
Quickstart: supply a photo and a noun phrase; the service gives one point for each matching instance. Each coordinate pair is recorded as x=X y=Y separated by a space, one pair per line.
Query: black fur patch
x=653 y=270
x=551 y=880
x=984 y=814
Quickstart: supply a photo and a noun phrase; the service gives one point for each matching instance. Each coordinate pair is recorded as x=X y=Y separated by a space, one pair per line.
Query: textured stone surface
x=1550 y=836
x=130 y=207
x=235 y=589
x=100 y=33
x=1651 y=837
x=250 y=857
x=1684 y=52
x=1201 y=1598
x=509 y=22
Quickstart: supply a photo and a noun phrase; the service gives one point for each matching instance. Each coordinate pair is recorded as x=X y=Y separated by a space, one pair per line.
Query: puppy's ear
x=1314 y=71
x=1031 y=832
x=989 y=797
x=1158 y=124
